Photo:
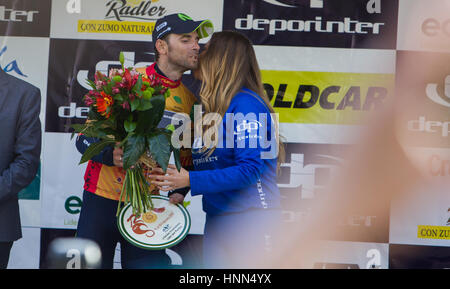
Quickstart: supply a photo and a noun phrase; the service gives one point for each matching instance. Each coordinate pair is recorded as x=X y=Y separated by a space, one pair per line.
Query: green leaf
x=167 y=93
x=138 y=84
x=170 y=127
x=135 y=104
x=177 y=99
x=129 y=126
x=176 y=156
x=121 y=58
x=91 y=84
x=108 y=88
x=145 y=105
x=147 y=94
x=78 y=127
x=118 y=97
x=159 y=146
x=133 y=150
x=94 y=149
x=157 y=111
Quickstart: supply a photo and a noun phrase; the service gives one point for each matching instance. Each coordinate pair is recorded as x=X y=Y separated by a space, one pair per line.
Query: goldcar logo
x=324 y=97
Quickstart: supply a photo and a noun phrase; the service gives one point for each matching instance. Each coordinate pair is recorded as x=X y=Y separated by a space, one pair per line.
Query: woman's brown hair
x=226 y=66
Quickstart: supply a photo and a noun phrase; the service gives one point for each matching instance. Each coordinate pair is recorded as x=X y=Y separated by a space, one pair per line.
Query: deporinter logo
x=145 y=10
x=311 y=177
x=344 y=26
x=250 y=126
x=432 y=27
x=429 y=126
x=433 y=94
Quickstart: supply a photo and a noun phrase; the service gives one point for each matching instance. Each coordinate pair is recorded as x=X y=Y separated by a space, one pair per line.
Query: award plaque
x=162 y=227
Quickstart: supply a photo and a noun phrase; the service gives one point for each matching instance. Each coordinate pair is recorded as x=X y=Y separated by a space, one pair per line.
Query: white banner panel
x=422 y=217
x=351 y=255
x=325 y=59
x=321 y=133
x=424 y=25
x=124 y=20
x=62 y=182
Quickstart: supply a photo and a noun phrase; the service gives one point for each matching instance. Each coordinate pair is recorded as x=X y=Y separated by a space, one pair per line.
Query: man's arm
x=27 y=147
x=105 y=156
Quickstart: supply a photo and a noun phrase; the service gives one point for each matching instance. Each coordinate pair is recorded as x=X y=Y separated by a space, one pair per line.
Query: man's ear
x=161 y=46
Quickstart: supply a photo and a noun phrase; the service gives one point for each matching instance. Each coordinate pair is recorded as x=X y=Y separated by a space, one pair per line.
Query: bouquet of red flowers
x=125 y=110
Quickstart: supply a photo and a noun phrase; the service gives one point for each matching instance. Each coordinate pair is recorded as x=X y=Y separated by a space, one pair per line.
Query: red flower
x=126 y=105
x=104 y=104
x=88 y=100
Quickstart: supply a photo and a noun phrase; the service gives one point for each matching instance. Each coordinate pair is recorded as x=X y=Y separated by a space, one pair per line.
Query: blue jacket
x=238 y=176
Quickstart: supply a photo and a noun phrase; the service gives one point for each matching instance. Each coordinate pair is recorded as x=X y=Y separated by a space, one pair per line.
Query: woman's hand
x=172 y=180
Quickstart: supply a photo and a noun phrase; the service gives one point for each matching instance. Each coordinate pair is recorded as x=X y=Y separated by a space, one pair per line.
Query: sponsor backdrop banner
x=327 y=66
x=340 y=24
x=25 y=18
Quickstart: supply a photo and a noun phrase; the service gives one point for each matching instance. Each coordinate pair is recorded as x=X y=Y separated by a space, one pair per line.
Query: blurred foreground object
x=394 y=171
x=73 y=253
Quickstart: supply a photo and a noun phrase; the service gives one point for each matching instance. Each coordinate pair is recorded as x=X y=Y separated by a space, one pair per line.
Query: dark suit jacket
x=20 y=148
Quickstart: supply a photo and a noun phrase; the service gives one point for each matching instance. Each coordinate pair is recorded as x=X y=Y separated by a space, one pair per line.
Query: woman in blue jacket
x=235 y=158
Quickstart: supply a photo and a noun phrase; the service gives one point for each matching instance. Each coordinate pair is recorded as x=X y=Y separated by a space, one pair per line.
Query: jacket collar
x=3 y=76
x=166 y=82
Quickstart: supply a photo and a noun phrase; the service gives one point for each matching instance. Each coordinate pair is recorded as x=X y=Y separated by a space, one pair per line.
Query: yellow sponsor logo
x=122 y=27
x=326 y=97
x=433 y=232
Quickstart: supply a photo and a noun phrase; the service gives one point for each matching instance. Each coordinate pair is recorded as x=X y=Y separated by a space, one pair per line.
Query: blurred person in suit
x=20 y=151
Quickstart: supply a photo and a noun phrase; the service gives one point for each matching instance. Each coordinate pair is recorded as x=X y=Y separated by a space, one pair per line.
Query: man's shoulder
x=181 y=99
x=18 y=84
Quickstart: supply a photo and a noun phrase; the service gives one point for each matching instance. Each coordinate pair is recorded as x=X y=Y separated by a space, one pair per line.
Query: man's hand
x=118 y=157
